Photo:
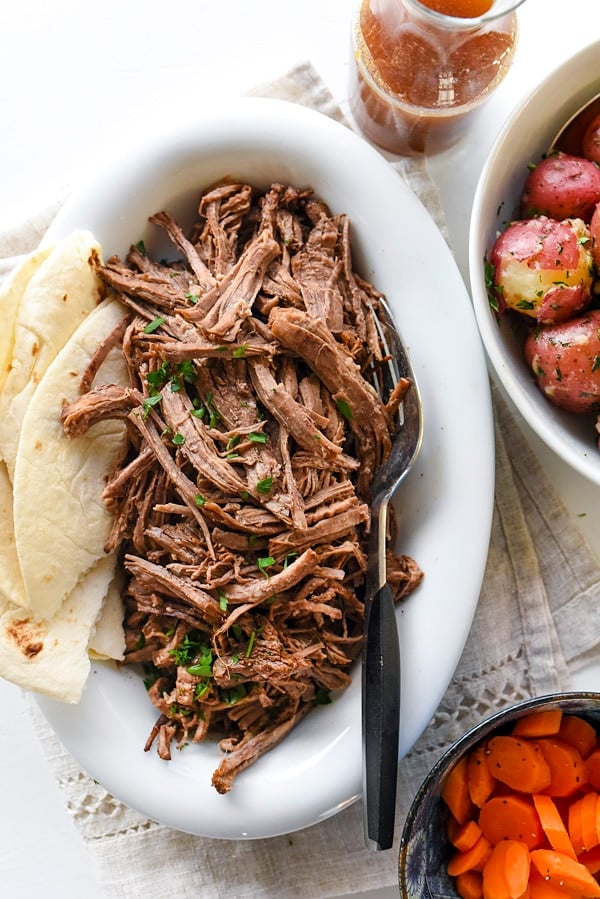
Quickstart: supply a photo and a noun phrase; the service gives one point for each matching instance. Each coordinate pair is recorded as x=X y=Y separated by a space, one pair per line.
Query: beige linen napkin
x=537 y=612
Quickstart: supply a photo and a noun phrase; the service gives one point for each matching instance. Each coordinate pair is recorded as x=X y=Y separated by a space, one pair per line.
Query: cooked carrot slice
x=567 y=769
x=469 y=885
x=561 y=870
x=479 y=780
x=540 y=888
x=575 y=826
x=455 y=792
x=545 y=723
x=553 y=825
x=471 y=860
x=465 y=835
x=578 y=733
x=506 y=871
x=589 y=832
x=518 y=763
x=511 y=818
x=592 y=768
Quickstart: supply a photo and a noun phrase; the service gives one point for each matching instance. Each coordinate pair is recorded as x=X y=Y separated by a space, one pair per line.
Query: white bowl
x=447 y=501
x=525 y=137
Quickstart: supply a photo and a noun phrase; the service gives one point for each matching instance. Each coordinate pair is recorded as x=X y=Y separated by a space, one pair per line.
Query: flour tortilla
x=61 y=523
x=51 y=656
x=63 y=289
x=108 y=638
x=11 y=294
x=12 y=588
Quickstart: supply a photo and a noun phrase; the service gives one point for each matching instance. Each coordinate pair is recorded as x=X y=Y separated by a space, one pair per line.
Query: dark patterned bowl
x=424 y=846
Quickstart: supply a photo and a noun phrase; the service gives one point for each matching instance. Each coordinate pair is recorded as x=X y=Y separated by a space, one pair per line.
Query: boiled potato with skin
x=565 y=360
x=562 y=186
x=595 y=236
x=591 y=140
x=543 y=269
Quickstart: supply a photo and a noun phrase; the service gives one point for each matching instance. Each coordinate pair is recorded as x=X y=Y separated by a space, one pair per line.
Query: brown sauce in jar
x=415 y=81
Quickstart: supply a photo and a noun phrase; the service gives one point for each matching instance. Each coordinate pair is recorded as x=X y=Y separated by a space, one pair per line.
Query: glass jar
x=418 y=72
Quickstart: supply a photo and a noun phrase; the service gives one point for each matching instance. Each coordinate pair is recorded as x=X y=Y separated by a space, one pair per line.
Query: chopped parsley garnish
x=154 y=325
x=257 y=437
x=250 y=646
x=223 y=601
x=265 y=562
x=490 y=286
x=264 y=485
x=178 y=439
x=201 y=665
x=189 y=648
x=201 y=689
x=343 y=406
x=159 y=377
x=525 y=304
x=150 y=401
x=234 y=694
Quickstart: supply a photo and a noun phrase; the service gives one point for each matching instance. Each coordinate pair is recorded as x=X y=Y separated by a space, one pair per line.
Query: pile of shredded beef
x=241 y=510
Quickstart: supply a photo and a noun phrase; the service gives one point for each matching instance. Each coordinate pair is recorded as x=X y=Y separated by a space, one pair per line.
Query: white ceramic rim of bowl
x=545 y=110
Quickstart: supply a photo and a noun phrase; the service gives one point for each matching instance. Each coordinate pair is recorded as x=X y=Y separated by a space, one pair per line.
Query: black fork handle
x=381 y=720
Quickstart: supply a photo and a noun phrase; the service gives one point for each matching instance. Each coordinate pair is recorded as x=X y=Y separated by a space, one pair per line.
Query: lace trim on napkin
x=539 y=608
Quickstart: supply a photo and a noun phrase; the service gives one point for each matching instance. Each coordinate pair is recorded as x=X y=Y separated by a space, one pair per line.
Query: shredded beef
x=241 y=511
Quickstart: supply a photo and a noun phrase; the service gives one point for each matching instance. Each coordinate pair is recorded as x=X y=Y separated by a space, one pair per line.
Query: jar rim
x=498 y=9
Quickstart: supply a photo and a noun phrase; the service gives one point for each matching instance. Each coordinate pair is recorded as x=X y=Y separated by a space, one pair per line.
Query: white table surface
x=72 y=78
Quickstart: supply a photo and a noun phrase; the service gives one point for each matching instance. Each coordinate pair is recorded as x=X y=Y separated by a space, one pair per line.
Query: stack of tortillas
x=55 y=577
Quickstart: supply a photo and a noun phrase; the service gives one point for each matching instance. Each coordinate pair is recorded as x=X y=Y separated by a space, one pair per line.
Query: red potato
x=543 y=269
x=565 y=360
x=595 y=237
x=562 y=186
x=591 y=140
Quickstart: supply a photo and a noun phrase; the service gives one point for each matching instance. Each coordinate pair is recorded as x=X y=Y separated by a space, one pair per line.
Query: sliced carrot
x=506 y=872
x=519 y=763
x=591 y=859
x=479 y=780
x=592 y=768
x=589 y=832
x=575 y=826
x=553 y=825
x=465 y=835
x=471 y=860
x=511 y=818
x=545 y=723
x=469 y=885
x=567 y=769
x=563 y=871
x=455 y=792
x=578 y=733
x=540 y=888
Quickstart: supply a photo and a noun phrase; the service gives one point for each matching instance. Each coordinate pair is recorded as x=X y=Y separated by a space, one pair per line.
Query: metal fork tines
x=381 y=655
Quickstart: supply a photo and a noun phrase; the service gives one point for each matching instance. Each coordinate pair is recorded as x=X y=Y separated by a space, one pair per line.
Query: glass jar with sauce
x=421 y=66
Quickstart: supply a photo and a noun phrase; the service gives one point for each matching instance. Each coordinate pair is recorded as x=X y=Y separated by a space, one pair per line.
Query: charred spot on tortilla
x=25 y=636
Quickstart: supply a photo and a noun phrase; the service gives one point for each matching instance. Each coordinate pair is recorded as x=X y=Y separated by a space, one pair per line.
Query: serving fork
x=381 y=654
